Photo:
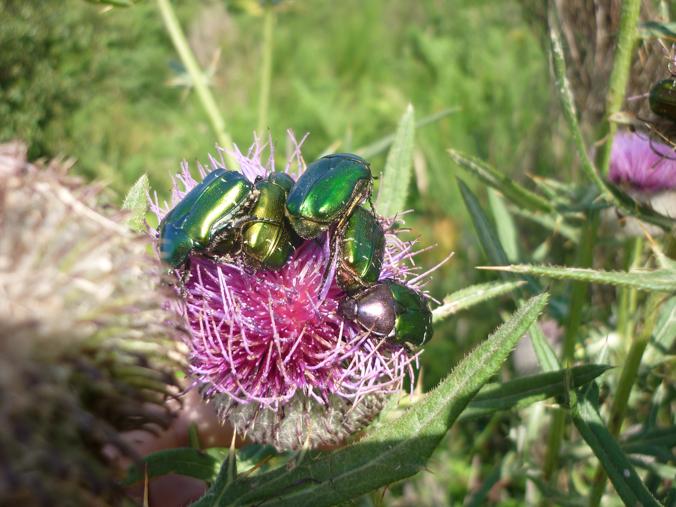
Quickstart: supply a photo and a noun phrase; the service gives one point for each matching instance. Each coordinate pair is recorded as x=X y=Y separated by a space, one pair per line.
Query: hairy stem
x=619 y=77
x=206 y=99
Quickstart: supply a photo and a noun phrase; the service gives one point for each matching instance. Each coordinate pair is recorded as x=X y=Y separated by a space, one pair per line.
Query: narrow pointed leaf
x=216 y=494
x=524 y=391
x=609 y=453
x=183 y=461
x=544 y=353
x=136 y=201
x=393 y=451
x=502 y=182
x=661 y=280
x=472 y=295
x=396 y=176
x=487 y=236
x=379 y=146
x=504 y=224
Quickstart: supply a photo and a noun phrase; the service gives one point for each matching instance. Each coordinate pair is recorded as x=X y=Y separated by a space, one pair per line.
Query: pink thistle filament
x=264 y=341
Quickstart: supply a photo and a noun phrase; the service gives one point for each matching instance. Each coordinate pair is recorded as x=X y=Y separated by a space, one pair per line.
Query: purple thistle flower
x=269 y=346
x=642 y=165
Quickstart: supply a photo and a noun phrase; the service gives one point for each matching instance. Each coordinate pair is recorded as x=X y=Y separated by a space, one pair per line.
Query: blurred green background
x=105 y=86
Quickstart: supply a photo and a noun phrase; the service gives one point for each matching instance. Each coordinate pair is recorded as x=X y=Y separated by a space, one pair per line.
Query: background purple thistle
x=270 y=338
x=642 y=164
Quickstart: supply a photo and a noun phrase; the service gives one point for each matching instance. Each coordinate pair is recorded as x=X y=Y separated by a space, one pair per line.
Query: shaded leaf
x=661 y=280
x=396 y=176
x=658 y=442
x=502 y=182
x=215 y=495
x=472 y=295
x=393 y=451
x=524 y=391
x=609 y=453
x=136 y=201
x=544 y=352
x=183 y=461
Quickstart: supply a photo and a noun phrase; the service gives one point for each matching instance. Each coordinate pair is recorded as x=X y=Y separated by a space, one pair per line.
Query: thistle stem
x=628 y=297
x=266 y=70
x=578 y=299
x=206 y=99
x=624 y=386
x=619 y=77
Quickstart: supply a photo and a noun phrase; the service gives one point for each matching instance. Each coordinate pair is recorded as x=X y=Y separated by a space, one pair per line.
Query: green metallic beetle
x=360 y=251
x=327 y=193
x=392 y=310
x=662 y=98
x=206 y=216
x=267 y=238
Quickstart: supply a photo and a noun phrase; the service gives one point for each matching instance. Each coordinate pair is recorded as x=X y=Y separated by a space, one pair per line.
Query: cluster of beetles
x=264 y=221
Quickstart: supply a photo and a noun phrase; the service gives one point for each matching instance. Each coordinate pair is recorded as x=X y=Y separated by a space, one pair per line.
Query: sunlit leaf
x=662 y=280
x=472 y=295
x=396 y=176
x=379 y=146
x=136 y=201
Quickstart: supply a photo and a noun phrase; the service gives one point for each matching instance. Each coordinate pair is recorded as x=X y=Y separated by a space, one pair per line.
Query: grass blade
x=619 y=469
x=396 y=176
x=379 y=146
x=502 y=182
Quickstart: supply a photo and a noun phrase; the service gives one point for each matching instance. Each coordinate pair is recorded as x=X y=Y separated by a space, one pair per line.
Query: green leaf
x=664 y=334
x=656 y=30
x=661 y=280
x=658 y=442
x=487 y=236
x=396 y=176
x=472 y=295
x=215 y=495
x=544 y=353
x=504 y=223
x=502 y=182
x=620 y=471
x=379 y=146
x=524 y=391
x=136 y=201
x=554 y=223
x=393 y=451
x=183 y=461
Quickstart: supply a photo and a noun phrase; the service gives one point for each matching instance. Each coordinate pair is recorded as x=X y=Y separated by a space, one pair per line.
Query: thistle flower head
x=86 y=350
x=642 y=164
x=270 y=347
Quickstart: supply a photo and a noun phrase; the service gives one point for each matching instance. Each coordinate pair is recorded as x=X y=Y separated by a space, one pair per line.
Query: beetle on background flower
x=270 y=347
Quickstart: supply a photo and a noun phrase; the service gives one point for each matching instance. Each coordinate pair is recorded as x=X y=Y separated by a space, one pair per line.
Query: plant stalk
x=266 y=70
x=619 y=77
x=624 y=386
x=206 y=99
x=578 y=299
x=627 y=298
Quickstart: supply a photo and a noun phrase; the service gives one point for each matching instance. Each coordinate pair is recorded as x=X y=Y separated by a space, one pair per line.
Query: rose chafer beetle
x=267 y=239
x=206 y=216
x=391 y=309
x=662 y=98
x=360 y=251
x=327 y=193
